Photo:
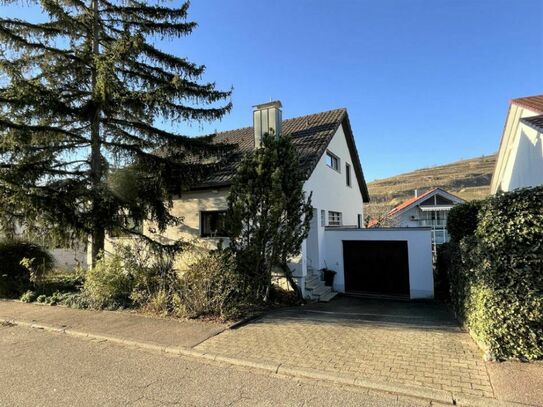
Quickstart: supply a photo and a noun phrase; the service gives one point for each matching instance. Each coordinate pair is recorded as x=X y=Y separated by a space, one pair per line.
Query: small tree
x=268 y=212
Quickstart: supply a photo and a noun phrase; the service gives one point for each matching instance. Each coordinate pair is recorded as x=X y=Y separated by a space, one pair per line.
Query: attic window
x=332 y=161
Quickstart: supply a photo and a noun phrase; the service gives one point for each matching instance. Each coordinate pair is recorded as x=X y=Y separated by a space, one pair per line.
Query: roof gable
x=420 y=200
x=310 y=135
x=532 y=103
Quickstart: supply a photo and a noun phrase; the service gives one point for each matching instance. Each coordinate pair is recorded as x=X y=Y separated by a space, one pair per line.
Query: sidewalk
x=511 y=382
x=123 y=325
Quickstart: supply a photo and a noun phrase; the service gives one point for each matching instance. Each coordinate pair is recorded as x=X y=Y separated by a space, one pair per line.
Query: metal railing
x=438 y=223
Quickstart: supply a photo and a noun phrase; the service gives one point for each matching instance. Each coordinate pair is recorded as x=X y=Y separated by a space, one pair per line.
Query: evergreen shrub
x=22 y=263
x=496 y=276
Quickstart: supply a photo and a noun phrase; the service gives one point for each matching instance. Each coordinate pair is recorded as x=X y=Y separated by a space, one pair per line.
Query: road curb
x=440 y=396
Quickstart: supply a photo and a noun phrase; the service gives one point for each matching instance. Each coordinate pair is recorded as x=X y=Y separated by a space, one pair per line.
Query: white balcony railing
x=436 y=223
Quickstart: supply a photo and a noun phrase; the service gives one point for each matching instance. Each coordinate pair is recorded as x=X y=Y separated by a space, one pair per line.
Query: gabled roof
x=534 y=103
x=534 y=121
x=310 y=134
x=418 y=199
x=409 y=202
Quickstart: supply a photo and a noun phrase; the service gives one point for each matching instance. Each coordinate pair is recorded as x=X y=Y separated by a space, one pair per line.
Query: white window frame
x=335 y=218
x=333 y=157
x=348 y=175
x=323 y=217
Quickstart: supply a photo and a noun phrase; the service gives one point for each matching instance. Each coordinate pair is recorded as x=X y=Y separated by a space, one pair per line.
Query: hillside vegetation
x=467 y=179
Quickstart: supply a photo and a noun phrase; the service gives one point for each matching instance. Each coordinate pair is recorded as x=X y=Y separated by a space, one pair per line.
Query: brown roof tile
x=534 y=103
x=310 y=134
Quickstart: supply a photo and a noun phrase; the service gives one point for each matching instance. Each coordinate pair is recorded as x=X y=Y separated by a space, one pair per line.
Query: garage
x=392 y=262
x=378 y=267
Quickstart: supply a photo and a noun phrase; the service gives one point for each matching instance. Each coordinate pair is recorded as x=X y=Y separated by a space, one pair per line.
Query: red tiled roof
x=372 y=223
x=409 y=202
x=534 y=103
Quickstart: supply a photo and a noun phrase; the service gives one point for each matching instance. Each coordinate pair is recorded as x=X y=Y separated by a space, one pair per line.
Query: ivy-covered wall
x=496 y=273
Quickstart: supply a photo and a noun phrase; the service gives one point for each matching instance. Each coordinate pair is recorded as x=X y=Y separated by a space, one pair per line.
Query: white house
x=328 y=153
x=335 y=178
x=429 y=209
x=520 y=157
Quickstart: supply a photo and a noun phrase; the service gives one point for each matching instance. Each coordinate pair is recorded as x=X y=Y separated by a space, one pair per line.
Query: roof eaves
x=355 y=158
x=535 y=122
x=534 y=103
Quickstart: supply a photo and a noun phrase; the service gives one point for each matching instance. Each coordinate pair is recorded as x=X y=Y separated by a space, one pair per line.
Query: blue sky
x=425 y=82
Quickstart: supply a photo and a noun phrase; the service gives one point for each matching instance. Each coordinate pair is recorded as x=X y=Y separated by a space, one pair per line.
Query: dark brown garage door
x=376 y=267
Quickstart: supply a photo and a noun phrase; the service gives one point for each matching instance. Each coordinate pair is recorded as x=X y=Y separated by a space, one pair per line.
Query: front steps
x=316 y=290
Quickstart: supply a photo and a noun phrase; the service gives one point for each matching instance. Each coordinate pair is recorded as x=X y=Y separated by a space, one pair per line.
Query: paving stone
x=374 y=347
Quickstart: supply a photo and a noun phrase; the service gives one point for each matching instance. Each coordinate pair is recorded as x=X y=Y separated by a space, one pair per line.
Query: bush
x=441 y=275
x=66 y=282
x=462 y=220
x=108 y=285
x=497 y=275
x=29 y=296
x=213 y=287
x=21 y=263
x=133 y=276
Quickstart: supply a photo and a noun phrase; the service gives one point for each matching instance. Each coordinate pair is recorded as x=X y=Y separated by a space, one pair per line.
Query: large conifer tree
x=81 y=94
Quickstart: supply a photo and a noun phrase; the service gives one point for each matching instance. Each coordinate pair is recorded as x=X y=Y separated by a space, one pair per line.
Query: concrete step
x=327 y=297
x=313 y=280
x=314 y=285
x=321 y=291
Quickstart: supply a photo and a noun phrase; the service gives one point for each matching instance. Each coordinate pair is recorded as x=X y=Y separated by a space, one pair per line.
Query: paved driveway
x=402 y=343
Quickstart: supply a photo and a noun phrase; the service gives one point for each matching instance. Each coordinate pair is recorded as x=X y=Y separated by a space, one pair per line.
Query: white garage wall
x=419 y=249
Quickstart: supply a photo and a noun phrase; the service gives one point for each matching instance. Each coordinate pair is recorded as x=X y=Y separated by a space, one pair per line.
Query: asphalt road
x=39 y=368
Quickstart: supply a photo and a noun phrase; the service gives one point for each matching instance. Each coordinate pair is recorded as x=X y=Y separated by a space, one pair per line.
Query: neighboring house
x=429 y=209
x=520 y=157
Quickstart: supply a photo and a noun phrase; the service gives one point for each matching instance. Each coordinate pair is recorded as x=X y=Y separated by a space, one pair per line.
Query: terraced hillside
x=468 y=179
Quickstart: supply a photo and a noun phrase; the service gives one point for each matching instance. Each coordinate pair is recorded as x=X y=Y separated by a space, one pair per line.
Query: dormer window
x=332 y=161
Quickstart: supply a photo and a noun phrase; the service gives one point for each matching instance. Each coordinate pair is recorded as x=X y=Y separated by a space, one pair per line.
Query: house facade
x=429 y=209
x=335 y=179
x=520 y=156
x=384 y=262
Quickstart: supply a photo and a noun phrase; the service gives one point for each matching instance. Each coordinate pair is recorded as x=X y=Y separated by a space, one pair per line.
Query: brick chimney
x=267 y=118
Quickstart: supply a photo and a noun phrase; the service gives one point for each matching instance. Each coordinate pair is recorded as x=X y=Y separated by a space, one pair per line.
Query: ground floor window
x=213 y=224
x=334 y=218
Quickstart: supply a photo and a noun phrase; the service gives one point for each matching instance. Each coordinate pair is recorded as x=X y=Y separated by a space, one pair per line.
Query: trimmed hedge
x=462 y=220
x=16 y=278
x=496 y=275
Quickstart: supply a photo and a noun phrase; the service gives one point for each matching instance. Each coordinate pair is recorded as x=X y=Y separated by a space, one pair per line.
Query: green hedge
x=16 y=278
x=462 y=220
x=496 y=275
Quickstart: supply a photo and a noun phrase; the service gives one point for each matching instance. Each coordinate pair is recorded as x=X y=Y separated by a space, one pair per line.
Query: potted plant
x=328 y=276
